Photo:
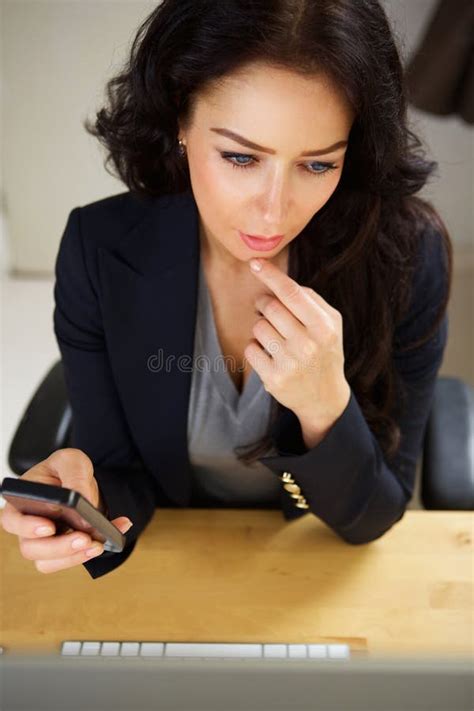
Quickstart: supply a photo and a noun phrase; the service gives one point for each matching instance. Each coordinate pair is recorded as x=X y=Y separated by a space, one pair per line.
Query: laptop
x=62 y=683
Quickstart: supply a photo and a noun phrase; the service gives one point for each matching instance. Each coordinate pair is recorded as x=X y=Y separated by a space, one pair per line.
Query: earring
x=182 y=148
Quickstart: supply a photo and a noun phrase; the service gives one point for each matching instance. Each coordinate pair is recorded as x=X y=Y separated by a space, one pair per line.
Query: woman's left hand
x=298 y=351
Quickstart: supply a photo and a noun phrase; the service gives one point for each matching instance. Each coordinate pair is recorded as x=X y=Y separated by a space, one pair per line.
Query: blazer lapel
x=149 y=298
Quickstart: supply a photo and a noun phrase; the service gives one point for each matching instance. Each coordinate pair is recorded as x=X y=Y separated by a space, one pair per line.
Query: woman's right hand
x=71 y=468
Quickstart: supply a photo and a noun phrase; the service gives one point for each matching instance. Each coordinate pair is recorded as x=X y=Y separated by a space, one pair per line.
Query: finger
x=123 y=523
x=52 y=566
x=270 y=340
x=13 y=521
x=54 y=546
x=330 y=310
x=260 y=361
x=298 y=344
x=286 y=323
x=51 y=547
x=290 y=293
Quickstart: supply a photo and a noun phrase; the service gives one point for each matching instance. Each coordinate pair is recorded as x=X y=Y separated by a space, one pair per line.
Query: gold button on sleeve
x=292 y=488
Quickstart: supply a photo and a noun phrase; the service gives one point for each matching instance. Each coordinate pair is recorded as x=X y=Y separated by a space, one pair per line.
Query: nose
x=275 y=200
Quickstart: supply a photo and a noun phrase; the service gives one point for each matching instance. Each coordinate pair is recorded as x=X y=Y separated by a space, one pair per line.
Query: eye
x=230 y=157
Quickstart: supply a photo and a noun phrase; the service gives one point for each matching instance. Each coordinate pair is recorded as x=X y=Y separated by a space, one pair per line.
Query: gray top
x=219 y=419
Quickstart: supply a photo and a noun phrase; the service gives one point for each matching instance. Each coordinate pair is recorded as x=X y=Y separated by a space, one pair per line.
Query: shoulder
x=109 y=223
x=104 y=221
x=431 y=275
x=421 y=336
x=433 y=254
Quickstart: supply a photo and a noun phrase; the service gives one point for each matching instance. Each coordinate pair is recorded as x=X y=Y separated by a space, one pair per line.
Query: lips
x=263 y=236
x=260 y=244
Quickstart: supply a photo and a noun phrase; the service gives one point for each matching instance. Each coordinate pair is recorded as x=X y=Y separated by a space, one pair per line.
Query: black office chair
x=447 y=473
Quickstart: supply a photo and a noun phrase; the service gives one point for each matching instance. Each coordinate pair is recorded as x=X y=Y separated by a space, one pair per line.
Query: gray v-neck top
x=219 y=419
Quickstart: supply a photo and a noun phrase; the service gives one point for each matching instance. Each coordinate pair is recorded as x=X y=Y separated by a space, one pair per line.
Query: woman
x=234 y=119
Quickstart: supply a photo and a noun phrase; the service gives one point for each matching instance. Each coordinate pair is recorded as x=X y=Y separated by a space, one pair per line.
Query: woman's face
x=270 y=188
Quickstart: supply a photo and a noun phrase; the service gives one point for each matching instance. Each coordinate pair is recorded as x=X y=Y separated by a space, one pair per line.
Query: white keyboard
x=200 y=650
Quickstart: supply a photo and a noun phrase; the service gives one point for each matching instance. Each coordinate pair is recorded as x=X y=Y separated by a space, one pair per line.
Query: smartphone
x=66 y=507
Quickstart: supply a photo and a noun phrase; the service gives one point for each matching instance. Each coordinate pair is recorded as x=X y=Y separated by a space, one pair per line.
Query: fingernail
x=130 y=524
x=255 y=265
x=93 y=551
x=78 y=543
x=44 y=531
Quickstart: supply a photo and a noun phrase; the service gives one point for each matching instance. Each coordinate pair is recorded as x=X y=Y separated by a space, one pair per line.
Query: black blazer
x=126 y=287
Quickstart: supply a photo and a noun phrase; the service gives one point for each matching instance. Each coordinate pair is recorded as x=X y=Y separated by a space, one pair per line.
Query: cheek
x=327 y=187
x=218 y=181
x=203 y=173
x=310 y=202
x=210 y=189
x=216 y=194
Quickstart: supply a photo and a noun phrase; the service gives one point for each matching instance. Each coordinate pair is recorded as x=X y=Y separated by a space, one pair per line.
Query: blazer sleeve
x=99 y=425
x=345 y=478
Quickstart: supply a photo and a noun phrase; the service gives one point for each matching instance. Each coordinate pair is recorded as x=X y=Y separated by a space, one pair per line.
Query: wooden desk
x=243 y=575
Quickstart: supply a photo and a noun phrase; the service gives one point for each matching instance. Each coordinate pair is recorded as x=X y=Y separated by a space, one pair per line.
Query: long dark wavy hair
x=359 y=250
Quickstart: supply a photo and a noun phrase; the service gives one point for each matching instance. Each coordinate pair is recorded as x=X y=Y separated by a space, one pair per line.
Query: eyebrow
x=250 y=144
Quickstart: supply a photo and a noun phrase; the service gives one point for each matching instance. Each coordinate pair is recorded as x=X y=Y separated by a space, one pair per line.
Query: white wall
x=56 y=58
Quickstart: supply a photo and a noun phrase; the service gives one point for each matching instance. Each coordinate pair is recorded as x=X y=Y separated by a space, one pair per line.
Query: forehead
x=275 y=96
